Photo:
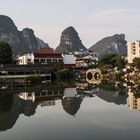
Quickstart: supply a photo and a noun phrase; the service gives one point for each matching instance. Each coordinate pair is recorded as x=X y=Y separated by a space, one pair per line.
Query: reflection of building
x=12 y=105
x=45 y=97
x=87 y=89
x=133 y=100
x=70 y=92
x=27 y=96
x=48 y=103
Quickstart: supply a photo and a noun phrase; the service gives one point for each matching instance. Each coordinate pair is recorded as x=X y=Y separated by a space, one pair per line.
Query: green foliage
x=113 y=60
x=105 y=68
x=2 y=80
x=119 y=76
x=136 y=63
x=64 y=73
x=108 y=59
x=107 y=86
x=5 y=53
x=34 y=79
x=120 y=62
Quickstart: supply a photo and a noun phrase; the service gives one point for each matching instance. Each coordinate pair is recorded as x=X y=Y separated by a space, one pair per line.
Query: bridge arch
x=93 y=76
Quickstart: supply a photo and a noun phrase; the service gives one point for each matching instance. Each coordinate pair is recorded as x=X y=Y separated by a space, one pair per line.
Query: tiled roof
x=46 y=50
x=48 y=55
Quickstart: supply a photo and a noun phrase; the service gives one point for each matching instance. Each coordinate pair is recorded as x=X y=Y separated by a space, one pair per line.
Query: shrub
x=34 y=79
x=64 y=73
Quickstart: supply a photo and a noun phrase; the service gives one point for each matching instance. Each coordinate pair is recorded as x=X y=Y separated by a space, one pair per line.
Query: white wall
x=69 y=59
x=22 y=60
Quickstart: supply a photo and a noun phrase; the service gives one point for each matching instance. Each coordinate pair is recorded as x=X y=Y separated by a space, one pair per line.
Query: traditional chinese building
x=44 y=56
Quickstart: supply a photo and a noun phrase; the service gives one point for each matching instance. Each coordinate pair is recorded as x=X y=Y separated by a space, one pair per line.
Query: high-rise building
x=133 y=50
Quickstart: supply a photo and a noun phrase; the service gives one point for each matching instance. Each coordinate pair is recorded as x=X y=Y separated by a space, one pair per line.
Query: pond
x=70 y=112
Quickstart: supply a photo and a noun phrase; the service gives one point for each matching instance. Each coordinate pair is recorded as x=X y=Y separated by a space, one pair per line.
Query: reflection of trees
x=71 y=105
x=6 y=102
x=25 y=107
x=111 y=93
x=107 y=86
x=136 y=91
x=10 y=109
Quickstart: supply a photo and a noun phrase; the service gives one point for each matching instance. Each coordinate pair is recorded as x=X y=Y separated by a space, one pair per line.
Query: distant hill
x=70 y=41
x=21 y=41
x=115 y=44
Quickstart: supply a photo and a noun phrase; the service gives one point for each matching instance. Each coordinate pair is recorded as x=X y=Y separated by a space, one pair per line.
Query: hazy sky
x=93 y=19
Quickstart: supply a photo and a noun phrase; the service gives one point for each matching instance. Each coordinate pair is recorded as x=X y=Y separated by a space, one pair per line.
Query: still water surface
x=70 y=112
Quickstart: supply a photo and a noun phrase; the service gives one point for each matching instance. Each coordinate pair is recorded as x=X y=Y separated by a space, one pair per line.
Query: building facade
x=26 y=59
x=40 y=58
x=133 y=50
x=69 y=60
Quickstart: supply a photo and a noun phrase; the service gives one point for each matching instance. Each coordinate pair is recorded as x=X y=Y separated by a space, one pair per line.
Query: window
x=42 y=61
x=134 y=47
x=48 y=60
x=133 y=43
x=54 y=60
x=36 y=61
x=28 y=60
x=60 y=60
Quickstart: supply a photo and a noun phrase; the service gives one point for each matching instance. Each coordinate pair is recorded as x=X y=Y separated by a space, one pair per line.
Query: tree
x=113 y=60
x=6 y=54
x=136 y=63
x=120 y=62
x=108 y=59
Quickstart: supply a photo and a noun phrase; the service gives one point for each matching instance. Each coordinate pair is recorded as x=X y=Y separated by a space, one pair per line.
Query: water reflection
x=11 y=107
x=25 y=101
x=134 y=98
x=71 y=105
x=113 y=93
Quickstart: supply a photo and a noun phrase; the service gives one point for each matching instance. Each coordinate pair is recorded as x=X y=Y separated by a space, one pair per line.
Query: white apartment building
x=133 y=50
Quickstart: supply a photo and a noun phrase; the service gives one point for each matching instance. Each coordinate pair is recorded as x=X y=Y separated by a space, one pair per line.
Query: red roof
x=46 y=50
x=48 y=55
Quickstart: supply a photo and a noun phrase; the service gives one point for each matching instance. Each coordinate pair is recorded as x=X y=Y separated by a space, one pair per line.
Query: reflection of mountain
x=12 y=105
x=71 y=105
x=6 y=102
x=25 y=107
x=112 y=96
x=9 y=112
